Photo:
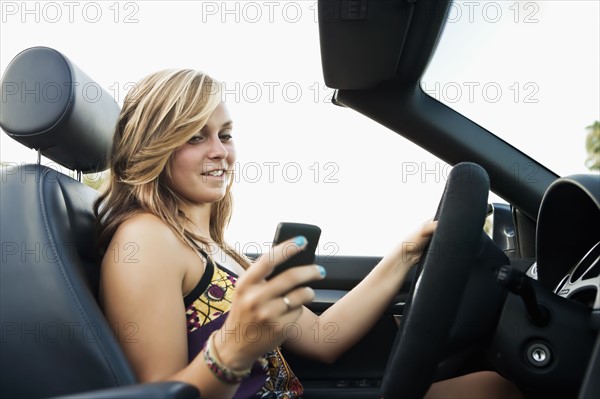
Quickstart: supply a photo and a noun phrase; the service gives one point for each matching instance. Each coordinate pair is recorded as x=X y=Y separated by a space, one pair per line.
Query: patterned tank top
x=207 y=307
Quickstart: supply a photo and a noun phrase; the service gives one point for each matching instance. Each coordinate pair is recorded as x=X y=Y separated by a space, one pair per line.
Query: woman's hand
x=358 y=311
x=409 y=252
x=262 y=310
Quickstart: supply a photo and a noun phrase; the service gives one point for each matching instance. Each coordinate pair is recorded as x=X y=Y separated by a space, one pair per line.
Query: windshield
x=299 y=158
x=527 y=71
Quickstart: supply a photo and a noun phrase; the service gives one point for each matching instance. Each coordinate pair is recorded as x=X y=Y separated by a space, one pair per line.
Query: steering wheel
x=437 y=290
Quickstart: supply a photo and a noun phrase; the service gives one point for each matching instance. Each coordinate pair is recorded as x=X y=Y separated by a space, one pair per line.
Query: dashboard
x=548 y=329
x=568 y=239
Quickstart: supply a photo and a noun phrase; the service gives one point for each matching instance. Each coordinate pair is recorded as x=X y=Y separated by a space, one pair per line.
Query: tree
x=95 y=180
x=592 y=145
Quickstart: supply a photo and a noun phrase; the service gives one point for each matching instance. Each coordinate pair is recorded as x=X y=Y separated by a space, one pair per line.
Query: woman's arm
x=327 y=336
x=141 y=292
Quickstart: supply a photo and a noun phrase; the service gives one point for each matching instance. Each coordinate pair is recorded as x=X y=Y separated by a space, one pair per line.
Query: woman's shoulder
x=147 y=239
x=146 y=228
x=143 y=220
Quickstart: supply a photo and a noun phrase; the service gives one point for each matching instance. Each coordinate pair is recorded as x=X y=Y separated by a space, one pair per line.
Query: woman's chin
x=210 y=198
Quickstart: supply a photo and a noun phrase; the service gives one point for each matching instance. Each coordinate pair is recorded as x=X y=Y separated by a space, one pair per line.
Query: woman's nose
x=217 y=149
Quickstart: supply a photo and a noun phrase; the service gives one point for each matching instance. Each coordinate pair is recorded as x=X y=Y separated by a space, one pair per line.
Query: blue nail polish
x=300 y=241
x=322 y=271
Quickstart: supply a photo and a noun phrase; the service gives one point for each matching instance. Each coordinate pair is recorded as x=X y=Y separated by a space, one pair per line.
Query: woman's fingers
x=295 y=299
x=301 y=275
x=261 y=294
x=277 y=255
x=429 y=228
x=287 y=304
x=422 y=236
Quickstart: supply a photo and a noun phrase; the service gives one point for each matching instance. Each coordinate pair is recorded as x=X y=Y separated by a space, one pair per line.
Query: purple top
x=207 y=307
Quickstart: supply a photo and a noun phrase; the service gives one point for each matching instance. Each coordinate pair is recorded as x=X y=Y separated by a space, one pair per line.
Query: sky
x=528 y=71
x=535 y=78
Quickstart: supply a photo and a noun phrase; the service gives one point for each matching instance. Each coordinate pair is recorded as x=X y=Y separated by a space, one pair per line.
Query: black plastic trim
x=408 y=111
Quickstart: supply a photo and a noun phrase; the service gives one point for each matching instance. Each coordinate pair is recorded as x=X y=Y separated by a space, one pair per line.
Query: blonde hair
x=159 y=115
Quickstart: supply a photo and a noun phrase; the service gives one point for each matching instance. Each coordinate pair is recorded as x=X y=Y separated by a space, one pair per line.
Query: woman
x=178 y=314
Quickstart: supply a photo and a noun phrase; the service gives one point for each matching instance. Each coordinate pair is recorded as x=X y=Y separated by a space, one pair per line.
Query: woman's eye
x=226 y=137
x=196 y=139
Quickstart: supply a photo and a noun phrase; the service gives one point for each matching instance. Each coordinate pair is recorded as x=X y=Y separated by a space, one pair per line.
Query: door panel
x=358 y=372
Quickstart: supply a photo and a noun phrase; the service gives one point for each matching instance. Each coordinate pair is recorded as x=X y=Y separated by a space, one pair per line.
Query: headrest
x=51 y=105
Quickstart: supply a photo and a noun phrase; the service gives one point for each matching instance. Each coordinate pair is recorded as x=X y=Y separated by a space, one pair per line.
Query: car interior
x=524 y=302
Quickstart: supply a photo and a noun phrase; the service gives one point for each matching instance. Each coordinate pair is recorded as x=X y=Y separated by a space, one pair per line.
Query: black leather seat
x=55 y=339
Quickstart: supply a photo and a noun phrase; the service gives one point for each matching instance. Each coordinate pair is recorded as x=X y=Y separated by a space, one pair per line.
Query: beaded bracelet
x=214 y=363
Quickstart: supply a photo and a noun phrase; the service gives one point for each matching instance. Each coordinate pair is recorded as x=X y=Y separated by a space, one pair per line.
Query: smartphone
x=285 y=231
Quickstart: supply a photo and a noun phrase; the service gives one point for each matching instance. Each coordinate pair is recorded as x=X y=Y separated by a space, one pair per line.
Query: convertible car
x=523 y=300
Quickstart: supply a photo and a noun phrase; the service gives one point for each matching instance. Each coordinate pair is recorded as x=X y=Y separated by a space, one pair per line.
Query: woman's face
x=202 y=167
